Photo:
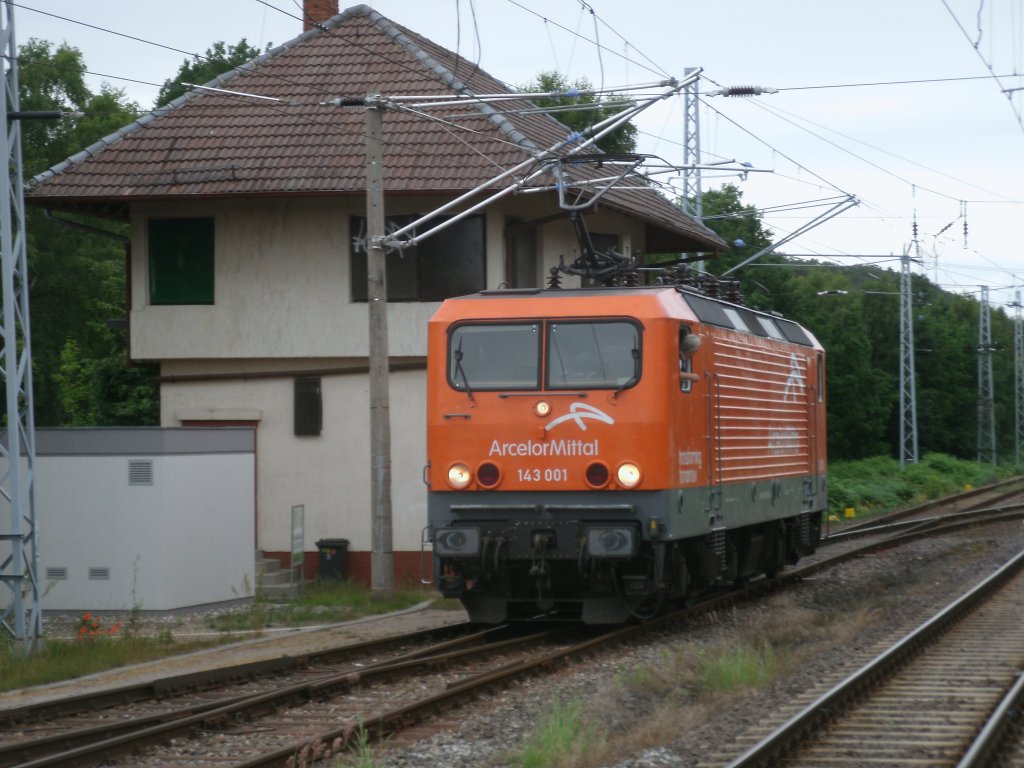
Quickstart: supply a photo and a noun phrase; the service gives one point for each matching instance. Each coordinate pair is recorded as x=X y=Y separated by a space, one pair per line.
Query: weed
x=561 y=733
x=91 y=627
x=363 y=754
x=743 y=666
x=323 y=603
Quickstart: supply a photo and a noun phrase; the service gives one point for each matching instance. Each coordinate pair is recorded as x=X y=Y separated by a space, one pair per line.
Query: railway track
x=924 y=701
x=306 y=708
x=985 y=497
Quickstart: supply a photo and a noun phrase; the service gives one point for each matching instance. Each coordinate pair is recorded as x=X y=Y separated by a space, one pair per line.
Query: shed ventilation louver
x=56 y=574
x=140 y=472
x=99 y=574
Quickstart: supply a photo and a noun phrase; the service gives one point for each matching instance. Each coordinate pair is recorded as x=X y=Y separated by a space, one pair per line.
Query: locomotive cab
x=578 y=466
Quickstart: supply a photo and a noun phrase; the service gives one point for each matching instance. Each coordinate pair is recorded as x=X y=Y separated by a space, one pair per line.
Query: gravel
x=858 y=608
x=823 y=629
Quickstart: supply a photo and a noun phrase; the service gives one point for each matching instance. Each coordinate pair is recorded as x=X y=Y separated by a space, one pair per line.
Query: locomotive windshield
x=580 y=355
x=495 y=356
x=592 y=355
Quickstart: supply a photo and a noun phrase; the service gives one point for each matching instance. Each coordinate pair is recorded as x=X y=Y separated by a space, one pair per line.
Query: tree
x=218 y=59
x=76 y=279
x=593 y=109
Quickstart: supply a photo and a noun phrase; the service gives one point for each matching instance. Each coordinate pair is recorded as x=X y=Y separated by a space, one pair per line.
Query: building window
x=308 y=406
x=520 y=254
x=449 y=263
x=181 y=261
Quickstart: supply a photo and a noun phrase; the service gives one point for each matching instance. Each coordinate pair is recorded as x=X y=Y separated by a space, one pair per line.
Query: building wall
x=282 y=284
x=329 y=473
x=185 y=539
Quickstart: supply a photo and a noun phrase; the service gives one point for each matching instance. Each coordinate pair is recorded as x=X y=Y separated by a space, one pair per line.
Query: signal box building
x=247 y=268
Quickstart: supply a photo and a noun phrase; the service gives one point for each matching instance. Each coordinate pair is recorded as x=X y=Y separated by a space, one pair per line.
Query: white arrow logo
x=578 y=412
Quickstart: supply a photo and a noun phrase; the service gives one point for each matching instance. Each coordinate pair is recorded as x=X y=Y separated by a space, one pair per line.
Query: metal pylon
x=908 y=387
x=22 y=613
x=986 y=398
x=693 y=195
x=693 y=202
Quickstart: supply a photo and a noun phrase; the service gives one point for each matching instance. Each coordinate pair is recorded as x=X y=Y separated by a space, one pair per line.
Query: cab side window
x=686 y=349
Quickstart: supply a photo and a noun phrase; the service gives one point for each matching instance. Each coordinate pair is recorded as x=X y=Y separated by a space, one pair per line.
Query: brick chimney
x=317 y=12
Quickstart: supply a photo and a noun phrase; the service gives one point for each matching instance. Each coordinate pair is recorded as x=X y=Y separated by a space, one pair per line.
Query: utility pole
x=986 y=398
x=382 y=565
x=1018 y=377
x=908 y=388
x=23 y=615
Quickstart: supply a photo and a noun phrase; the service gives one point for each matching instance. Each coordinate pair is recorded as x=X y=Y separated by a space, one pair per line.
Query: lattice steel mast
x=908 y=387
x=693 y=195
x=22 y=616
x=986 y=398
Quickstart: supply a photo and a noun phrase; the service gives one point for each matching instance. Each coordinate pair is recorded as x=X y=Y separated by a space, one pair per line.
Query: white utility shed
x=145 y=518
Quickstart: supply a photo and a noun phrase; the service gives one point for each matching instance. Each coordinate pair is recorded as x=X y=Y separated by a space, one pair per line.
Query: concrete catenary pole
x=1018 y=377
x=382 y=565
x=908 y=388
x=986 y=394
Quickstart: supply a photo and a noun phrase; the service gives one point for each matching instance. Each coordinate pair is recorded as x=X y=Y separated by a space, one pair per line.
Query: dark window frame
x=181 y=260
x=308 y=406
x=431 y=271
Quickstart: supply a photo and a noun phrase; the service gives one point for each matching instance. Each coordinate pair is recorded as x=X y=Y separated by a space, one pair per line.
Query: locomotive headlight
x=457 y=542
x=488 y=474
x=610 y=542
x=628 y=475
x=542 y=408
x=459 y=476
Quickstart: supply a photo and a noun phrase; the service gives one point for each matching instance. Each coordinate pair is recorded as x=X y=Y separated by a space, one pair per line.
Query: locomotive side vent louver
x=56 y=574
x=140 y=472
x=99 y=574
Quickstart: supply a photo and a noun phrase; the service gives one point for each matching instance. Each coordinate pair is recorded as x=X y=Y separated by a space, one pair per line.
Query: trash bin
x=333 y=558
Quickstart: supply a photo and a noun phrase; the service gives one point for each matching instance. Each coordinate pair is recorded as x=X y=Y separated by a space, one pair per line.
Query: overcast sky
x=896 y=147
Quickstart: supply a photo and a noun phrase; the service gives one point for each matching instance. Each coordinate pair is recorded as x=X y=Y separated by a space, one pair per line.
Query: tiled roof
x=210 y=144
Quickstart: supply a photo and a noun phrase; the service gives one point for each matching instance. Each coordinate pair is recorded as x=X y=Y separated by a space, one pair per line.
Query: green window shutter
x=181 y=261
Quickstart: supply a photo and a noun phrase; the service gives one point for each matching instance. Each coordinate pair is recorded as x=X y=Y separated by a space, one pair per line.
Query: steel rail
x=957 y=497
x=155 y=730
x=987 y=744
x=433 y=657
x=390 y=722
x=768 y=751
x=917 y=532
x=167 y=687
x=971 y=514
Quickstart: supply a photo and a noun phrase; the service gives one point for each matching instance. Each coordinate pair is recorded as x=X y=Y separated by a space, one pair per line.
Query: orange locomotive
x=596 y=453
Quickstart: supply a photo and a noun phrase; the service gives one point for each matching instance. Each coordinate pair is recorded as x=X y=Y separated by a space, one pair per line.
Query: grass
x=741 y=666
x=100 y=646
x=648 y=704
x=561 y=734
x=877 y=485
x=66 y=659
x=325 y=602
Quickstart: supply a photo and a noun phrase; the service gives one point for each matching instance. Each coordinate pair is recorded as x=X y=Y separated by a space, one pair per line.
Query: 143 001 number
x=547 y=474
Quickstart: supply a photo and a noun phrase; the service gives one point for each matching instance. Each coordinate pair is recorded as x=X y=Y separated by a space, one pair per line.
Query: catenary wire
x=988 y=66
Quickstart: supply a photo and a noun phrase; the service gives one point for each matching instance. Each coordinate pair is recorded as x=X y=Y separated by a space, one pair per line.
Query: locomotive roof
x=640 y=301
